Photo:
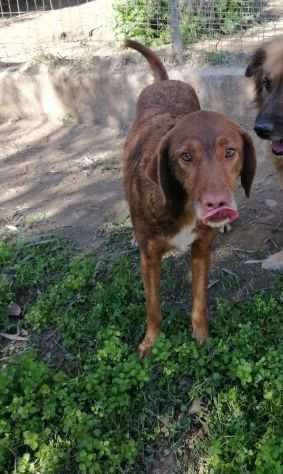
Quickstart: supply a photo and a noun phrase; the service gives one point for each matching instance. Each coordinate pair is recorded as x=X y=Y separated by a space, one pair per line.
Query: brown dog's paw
x=200 y=332
x=146 y=345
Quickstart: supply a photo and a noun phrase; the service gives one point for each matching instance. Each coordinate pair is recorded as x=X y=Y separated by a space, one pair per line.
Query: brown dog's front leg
x=201 y=250
x=150 y=268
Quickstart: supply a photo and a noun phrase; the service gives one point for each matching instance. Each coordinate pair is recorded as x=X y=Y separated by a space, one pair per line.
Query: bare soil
x=67 y=181
x=79 y=30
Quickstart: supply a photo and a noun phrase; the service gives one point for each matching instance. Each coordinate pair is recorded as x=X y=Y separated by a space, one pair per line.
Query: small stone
x=11 y=228
x=271 y=203
x=14 y=310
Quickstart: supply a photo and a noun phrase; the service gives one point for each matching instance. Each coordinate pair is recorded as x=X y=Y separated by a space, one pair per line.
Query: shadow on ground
x=66 y=180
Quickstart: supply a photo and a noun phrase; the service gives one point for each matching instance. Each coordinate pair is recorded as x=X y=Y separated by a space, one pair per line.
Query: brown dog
x=266 y=68
x=181 y=165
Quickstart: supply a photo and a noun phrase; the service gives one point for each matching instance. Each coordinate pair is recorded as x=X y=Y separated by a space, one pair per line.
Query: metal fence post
x=176 y=36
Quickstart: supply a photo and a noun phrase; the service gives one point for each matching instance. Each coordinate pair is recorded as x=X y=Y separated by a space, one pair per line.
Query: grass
x=77 y=399
x=216 y=58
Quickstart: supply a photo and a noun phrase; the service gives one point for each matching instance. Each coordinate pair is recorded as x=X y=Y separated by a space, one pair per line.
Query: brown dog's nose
x=214 y=201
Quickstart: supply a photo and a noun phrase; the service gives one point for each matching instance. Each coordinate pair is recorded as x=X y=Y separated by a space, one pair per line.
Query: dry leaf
x=196 y=407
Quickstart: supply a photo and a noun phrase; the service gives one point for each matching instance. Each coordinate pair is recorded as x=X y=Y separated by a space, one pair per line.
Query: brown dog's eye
x=230 y=153
x=267 y=83
x=187 y=157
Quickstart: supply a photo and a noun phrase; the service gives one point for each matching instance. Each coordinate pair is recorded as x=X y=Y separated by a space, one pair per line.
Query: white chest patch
x=184 y=238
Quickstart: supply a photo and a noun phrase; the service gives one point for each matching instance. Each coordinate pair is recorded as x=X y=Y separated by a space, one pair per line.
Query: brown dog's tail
x=158 y=69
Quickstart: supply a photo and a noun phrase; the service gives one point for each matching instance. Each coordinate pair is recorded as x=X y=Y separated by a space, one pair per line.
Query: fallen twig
x=13 y=337
x=237 y=249
x=213 y=283
x=33 y=243
x=273 y=242
x=229 y=272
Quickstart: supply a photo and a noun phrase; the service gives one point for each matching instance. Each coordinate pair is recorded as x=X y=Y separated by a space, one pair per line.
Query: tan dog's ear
x=160 y=171
x=249 y=163
x=256 y=62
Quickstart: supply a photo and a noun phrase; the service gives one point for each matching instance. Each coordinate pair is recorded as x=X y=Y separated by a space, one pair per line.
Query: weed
x=149 y=20
x=50 y=59
x=112 y=411
x=216 y=58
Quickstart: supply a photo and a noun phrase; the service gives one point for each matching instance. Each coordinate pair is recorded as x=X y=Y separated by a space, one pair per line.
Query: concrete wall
x=104 y=92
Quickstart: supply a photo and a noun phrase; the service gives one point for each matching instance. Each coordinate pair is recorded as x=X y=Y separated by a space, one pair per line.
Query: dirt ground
x=82 y=29
x=67 y=181
x=64 y=180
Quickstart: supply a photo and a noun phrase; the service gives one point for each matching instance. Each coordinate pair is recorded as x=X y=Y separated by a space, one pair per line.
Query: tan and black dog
x=266 y=69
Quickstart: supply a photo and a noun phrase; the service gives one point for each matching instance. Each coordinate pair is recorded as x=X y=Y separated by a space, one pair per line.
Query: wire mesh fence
x=187 y=21
x=76 y=28
x=19 y=7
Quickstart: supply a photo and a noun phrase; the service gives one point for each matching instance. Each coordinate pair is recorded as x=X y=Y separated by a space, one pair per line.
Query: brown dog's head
x=266 y=68
x=198 y=163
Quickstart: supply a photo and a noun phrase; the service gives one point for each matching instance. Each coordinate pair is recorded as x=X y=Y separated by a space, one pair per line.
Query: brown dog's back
x=165 y=95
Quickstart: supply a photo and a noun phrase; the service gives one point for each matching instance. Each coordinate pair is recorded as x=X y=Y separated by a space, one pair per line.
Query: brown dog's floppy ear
x=160 y=171
x=256 y=62
x=249 y=163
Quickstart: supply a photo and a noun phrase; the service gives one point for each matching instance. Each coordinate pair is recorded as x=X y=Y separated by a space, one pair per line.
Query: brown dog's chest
x=184 y=237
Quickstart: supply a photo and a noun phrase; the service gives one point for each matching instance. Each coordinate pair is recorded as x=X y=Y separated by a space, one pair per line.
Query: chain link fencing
x=42 y=30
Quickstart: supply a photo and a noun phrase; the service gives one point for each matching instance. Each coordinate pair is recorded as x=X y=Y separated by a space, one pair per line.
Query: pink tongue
x=277 y=147
x=220 y=214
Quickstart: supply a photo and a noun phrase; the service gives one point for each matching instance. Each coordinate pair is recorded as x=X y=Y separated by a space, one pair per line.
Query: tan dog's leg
x=201 y=250
x=274 y=262
x=150 y=268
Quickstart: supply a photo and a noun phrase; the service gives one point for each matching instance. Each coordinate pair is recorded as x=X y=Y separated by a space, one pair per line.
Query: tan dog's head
x=198 y=163
x=266 y=68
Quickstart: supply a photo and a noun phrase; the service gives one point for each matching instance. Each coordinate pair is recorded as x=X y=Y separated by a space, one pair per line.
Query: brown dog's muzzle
x=217 y=207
